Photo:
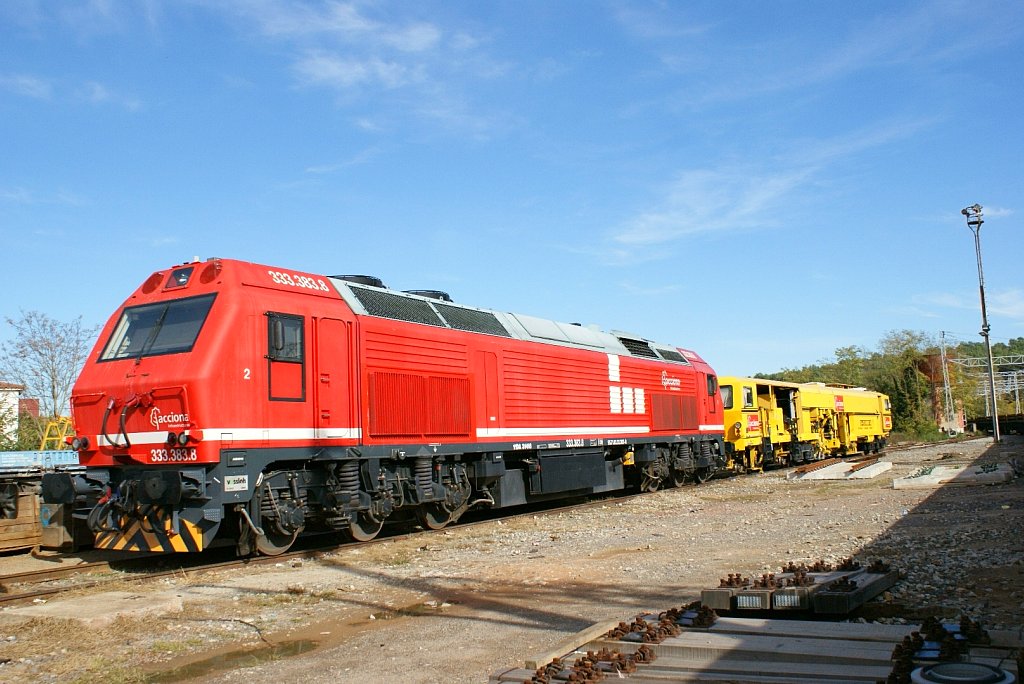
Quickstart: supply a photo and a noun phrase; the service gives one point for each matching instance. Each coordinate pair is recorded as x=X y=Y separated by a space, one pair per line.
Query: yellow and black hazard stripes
x=152 y=528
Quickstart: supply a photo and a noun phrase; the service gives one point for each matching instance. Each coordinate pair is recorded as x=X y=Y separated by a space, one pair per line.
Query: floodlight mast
x=974 y=221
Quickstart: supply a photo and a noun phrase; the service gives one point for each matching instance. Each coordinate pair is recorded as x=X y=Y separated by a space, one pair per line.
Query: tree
x=27 y=435
x=897 y=373
x=895 y=369
x=8 y=437
x=46 y=356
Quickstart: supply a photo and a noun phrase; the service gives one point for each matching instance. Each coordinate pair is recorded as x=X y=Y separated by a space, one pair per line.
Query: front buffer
x=165 y=510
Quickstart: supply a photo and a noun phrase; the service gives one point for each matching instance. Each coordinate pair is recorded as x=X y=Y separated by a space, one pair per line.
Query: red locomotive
x=232 y=400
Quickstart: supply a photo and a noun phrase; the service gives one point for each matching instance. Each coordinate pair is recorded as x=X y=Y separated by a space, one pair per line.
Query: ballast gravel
x=459 y=605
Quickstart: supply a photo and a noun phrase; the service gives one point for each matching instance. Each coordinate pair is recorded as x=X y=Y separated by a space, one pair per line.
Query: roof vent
x=430 y=294
x=638 y=347
x=372 y=281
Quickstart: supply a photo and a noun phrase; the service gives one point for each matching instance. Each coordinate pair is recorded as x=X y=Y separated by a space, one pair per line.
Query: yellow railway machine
x=859 y=419
x=769 y=422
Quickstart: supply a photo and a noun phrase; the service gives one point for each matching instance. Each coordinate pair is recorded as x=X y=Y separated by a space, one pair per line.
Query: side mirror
x=277 y=335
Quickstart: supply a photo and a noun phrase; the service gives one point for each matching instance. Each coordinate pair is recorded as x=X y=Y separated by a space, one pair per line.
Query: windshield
x=162 y=328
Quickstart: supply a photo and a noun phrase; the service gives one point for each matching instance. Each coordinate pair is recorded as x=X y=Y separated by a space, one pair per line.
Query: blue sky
x=763 y=182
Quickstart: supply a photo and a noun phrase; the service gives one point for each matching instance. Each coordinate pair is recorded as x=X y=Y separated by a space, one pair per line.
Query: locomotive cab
x=139 y=420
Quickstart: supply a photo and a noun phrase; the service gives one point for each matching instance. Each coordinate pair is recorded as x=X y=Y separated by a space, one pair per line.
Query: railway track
x=23 y=587
x=26 y=587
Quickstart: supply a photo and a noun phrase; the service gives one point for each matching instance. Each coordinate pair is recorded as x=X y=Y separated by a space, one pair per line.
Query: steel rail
x=186 y=570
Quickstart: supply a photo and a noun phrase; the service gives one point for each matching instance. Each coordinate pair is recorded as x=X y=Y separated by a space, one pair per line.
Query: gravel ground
x=459 y=605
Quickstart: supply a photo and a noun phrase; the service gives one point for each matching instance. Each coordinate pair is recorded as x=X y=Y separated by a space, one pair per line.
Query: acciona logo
x=668 y=382
x=158 y=419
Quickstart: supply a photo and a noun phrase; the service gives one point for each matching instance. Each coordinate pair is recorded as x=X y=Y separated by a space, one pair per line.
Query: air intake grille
x=638 y=348
x=670 y=355
x=472 y=320
x=395 y=306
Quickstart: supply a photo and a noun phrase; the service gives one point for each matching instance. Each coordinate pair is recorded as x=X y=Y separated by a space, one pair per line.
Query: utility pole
x=974 y=221
x=949 y=415
x=1016 y=391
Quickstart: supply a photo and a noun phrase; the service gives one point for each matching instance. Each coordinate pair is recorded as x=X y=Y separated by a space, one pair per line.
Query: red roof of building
x=29 y=406
x=11 y=386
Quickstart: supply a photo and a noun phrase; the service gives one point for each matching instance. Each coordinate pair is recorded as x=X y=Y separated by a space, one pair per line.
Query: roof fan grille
x=397 y=307
x=472 y=320
x=638 y=348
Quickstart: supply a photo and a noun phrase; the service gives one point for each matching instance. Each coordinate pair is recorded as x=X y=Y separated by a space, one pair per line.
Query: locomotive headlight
x=80 y=443
x=182 y=439
x=172 y=439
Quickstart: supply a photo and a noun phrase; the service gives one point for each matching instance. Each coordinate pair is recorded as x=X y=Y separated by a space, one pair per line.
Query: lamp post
x=974 y=221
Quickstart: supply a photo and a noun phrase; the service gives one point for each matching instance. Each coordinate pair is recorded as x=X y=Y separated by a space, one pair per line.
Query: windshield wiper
x=151 y=340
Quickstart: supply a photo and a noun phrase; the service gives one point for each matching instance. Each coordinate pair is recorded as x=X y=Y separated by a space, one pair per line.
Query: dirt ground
x=460 y=605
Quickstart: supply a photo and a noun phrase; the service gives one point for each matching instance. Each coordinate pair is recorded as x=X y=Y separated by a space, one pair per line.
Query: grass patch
x=397 y=560
x=171 y=647
x=830 y=488
x=750 y=497
x=66 y=650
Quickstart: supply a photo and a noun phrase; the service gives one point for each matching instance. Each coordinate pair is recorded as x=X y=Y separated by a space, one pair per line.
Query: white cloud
x=277 y=18
x=361 y=157
x=99 y=94
x=647 y=23
x=1007 y=303
x=368 y=125
x=413 y=68
x=92 y=16
x=45 y=89
x=946 y=299
x=330 y=70
x=908 y=310
x=96 y=92
x=16 y=196
x=343 y=21
x=996 y=212
x=415 y=38
x=649 y=291
x=704 y=200
x=918 y=37
x=747 y=197
x=28 y=86
x=24 y=196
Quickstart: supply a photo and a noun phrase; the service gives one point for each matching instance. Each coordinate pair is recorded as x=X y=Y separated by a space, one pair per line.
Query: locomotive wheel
x=274 y=543
x=702 y=475
x=678 y=478
x=649 y=484
x=433 y=516
x=365 y=527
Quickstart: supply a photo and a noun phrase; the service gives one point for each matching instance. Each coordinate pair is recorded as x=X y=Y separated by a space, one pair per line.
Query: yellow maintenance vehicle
x=769 y=422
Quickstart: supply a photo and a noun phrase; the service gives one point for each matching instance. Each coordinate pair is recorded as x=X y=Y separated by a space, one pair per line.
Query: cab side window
x=286 y=357
x=285 y=338
x=748 y=397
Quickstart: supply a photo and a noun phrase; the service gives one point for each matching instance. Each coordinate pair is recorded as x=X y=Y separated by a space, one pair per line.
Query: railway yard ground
x=461 y=604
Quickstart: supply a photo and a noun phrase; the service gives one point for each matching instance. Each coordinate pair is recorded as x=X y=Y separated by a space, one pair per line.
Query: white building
x=9 y=393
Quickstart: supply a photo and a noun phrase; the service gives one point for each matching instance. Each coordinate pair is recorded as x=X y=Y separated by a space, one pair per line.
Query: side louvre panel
x=674 y=412
x=396 y=404
x=448 y=407
x=409 y=405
